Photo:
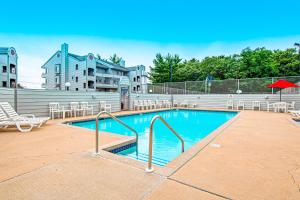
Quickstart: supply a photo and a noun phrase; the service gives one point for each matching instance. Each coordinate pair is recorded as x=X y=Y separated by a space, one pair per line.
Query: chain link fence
x=230 y=86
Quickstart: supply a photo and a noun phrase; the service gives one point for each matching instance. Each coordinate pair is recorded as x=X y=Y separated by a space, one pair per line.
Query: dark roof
x=81 y=58
x=114 y=66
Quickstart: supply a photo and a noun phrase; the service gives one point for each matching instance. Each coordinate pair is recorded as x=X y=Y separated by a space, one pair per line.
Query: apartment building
x=8 y=67
x=138 y=78
x=67 y=71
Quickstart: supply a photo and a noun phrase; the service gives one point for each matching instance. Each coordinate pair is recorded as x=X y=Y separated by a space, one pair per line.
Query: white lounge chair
x=104 y=106
x=86 y=108
x=295 y=113
x=23 y=125
x=12 y=114
x=291 y=106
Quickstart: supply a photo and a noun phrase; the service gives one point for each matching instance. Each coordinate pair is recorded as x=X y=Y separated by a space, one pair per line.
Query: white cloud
x=33 y=51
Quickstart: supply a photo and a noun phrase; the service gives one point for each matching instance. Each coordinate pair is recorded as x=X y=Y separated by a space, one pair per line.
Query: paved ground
x=258 y=158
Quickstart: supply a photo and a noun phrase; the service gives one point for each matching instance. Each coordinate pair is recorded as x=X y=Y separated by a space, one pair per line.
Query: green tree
x=161 y=70
x=115 y=59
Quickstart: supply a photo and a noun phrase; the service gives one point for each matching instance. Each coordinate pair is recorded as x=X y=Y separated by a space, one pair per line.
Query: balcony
x=43 y=85
x=107 y=85
x=44 y=75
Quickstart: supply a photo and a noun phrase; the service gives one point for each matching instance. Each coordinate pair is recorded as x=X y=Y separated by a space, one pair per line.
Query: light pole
x=297 y=45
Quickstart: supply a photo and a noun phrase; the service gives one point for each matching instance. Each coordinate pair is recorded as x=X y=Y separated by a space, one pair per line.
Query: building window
x=138 y=88
x=76 y=89
x=57 y=68
x=84 y=72
x=84 y=85
x=134 y=79
x=4 y=69
x=4 y=84
x=76 y=79
x=56 y=80
x=133 y=88
x=76 y=66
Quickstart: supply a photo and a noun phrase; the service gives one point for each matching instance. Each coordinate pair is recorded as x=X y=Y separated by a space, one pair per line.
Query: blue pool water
x=191 y=125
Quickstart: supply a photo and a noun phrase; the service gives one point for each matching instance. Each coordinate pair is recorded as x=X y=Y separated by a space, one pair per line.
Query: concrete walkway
x=258 y=158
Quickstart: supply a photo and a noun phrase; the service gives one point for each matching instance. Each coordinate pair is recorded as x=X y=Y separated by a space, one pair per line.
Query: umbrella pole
x=280 y=94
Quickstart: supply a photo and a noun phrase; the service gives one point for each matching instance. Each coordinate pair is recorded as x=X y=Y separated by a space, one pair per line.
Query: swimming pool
x=191 y=125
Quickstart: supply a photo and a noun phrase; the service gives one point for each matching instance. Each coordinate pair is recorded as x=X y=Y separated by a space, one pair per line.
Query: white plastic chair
x=104 y=106
x=55 y=108
x=255 y=104
x=291 y=106
x=86 y=108
x=158 y=104
x=240 y=104
x=230 y=104
x=75 y=108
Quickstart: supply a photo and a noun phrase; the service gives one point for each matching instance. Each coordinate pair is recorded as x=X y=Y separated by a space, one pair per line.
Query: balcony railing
x=44 y=75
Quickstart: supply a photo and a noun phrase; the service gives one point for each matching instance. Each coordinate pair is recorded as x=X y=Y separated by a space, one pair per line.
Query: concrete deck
x=258 y=158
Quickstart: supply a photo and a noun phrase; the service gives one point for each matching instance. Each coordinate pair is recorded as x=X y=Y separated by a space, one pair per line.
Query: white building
x=8 y=67
x=67 y=71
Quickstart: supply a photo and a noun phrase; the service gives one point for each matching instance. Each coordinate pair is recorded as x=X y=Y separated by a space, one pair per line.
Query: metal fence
x=230 y=86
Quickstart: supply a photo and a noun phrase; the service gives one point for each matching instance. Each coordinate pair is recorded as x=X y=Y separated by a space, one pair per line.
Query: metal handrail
x=150 y=168
x=121 y=122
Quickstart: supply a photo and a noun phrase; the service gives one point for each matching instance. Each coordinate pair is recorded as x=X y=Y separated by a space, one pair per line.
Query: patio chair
x=151 y=104
x=230 y=104
x=279 y=106
x=270 y=106
x=255 y=104
x=54 y=108
x=23 y=125
x=167 y=103
x=146 y=105
x=184 y=104
x=75 y=108
x=240 y=104
x=136 y=105
x=104 y=106
x=86 y=108
x=291 y=106
x=12 y=114
x=158 y=104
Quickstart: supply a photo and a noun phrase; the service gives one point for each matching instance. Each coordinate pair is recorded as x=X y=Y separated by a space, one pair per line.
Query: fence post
x=238 y=84
x=16 y=99
x=185 y=87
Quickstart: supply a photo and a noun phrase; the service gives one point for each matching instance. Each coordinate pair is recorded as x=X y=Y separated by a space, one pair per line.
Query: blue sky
x=136 y=30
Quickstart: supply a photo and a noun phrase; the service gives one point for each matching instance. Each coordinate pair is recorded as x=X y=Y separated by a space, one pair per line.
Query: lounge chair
x=295 y=113
x=12 y=114
x=5 y=122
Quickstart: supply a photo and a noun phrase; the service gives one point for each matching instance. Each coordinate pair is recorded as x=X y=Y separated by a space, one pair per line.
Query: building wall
x=6 y=60
x=73 y=73
x=51 y=70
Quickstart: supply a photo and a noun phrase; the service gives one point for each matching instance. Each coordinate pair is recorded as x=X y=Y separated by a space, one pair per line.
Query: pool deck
x=256 y=157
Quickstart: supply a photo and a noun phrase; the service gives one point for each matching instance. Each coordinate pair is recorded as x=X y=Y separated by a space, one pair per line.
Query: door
x=125 y=98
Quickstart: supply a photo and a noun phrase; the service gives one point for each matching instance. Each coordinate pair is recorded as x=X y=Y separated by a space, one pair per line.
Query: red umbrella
x=282 y=84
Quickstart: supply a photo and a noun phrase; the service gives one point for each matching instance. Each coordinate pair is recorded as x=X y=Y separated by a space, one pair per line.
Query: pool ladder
x=150 y=167
x=116 y=119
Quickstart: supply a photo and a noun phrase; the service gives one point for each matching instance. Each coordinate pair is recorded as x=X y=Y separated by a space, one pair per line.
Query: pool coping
x=171 y=167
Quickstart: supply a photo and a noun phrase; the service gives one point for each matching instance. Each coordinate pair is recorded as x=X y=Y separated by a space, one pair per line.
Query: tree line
x=249 y=63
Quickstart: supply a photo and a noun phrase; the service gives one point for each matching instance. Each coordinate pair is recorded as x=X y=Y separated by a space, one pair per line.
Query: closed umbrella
x=282 y=84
